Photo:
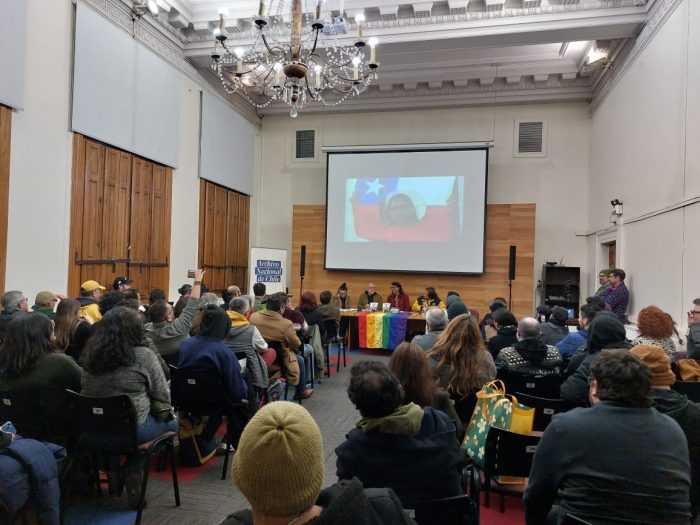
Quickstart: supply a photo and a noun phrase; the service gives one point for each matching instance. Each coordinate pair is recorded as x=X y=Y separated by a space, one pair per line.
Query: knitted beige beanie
x=278 y=465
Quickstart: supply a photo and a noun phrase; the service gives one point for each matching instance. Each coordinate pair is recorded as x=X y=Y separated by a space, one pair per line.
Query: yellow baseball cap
x=89 y=286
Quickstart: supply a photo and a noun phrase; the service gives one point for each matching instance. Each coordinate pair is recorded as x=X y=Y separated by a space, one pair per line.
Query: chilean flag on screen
x=420 y=209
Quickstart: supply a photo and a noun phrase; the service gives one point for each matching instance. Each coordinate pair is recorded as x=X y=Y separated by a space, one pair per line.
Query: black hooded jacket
x=528 y=358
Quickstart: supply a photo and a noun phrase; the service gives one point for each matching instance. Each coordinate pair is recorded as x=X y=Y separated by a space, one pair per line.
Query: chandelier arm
x=271 y=50
x=315 y=44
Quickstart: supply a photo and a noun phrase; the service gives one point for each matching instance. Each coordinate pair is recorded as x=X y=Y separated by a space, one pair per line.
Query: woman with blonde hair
x=460 y=362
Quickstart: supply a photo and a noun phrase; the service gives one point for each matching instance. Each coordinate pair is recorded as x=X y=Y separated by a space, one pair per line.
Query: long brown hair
x=410 y=365
x=66 y=322
x=458 y=347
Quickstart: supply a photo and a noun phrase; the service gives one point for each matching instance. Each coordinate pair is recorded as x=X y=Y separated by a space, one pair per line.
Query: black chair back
x=105 y=423
x=37 y=413
x=544 y=409
x=689 y=388
x=457 y=510
x=197 y=392
x=331 y=326
x=279 y=354
x=508 y=453
x=548 y=387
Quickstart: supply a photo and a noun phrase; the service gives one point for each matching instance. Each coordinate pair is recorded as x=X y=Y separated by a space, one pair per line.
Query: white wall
x=41 y=158
x=554 y=183
x=644 y=152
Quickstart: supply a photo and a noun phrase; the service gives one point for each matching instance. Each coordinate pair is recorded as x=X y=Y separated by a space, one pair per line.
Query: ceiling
x=448 y=53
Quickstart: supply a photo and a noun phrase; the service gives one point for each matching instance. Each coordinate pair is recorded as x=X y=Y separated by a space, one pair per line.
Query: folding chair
x=457 y=510
x=548 y=387
x=544 y=409
x=37 y=413
x=108 y=425
x=202 y=394
x=281 y=362
x=689 y=388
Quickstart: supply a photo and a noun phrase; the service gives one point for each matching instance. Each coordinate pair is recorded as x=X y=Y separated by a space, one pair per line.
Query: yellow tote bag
x=521 y=422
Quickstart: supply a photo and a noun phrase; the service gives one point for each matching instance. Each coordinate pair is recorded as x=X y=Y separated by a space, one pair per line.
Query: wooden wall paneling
x=202 y=219
x=216 y=283
x=506 y=224
x=209 y=239
x=116 y=213
x=243 y=241
x=76 y=214
x=161 y=213
x=5 y=143
x=93 y=198
x=232 y=234
x=141 y=226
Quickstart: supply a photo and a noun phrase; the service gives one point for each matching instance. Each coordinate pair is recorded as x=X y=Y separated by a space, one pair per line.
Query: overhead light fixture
x=141 y=7
x=598 y=57
x=310 y=59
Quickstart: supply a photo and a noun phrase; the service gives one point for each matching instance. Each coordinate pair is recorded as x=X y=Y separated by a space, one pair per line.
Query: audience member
x=693 y=342
x=543 y=313
x=133 y=297
x=45 y=303
x=555 y=329
x=435 y=324
x=244 y=339
x=675 y=405
x=326 y=309
x=229 y=293
x=605 y=331
x=159 y=295
x=598 y=302
x=401 y=446
x=398 y=298
x=530 y=356
x=165 y=330
x=121 y=284
x=342 y=299
x=452 y=297
x=279 y=469
x=295 y=316
x=618 y=462
x=425 y=301
x=30 y=363
x=90 y=295
x=370 y=295
x=275 y=328
x=409 y=364
x=308 y=308
x=506 y=326
x=14 y=304
x=456 y=309
x=656 y=328
x=185 y=290
x=205 y=300
x=577 y=340
x=486 y=324
x=603 y=281
x=259 y=290
x=617 y=296
x=118 y=364
x=72 y=331
x=459 y=360
x=206 y=352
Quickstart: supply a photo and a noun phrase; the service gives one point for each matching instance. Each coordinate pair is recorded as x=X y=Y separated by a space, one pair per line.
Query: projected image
x=405 y=209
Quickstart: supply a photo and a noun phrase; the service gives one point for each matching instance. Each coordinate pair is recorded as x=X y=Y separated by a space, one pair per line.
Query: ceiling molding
x=661 y=10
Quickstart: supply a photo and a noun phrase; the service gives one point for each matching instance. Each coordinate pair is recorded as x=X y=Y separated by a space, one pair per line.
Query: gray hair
x=529 y=328
x=11 y=299
x=436 y=318
x=207 y=299
x=239 y=304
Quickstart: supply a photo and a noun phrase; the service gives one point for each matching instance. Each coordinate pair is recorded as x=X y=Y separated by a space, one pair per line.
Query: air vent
x=305 y=144
x=530 y=137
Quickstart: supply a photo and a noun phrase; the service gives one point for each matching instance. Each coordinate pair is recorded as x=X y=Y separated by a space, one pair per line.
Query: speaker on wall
x=302 y=261
x=511 y=264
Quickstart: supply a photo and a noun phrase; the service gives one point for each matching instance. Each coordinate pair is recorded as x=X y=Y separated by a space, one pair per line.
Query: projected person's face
x=401 y=211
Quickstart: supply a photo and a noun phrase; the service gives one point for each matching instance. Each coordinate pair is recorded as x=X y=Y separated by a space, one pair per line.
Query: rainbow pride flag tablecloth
x=382 y=330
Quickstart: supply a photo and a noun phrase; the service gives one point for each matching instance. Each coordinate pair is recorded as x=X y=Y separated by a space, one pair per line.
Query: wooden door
x=612 y=255
x=120 y=218
x=5 y=129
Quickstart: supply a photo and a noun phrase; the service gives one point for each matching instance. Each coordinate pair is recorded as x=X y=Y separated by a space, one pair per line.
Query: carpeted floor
x=206 y=499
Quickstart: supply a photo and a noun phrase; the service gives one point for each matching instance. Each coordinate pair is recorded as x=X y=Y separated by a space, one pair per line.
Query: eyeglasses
x=695 y=312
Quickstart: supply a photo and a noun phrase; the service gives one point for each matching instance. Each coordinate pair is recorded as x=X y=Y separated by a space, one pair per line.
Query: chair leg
x=337 y=365
x=342 y=345
x=502 y=503
x=176 y=485
x=142 y=499
x=229 y=440
x=327 y=359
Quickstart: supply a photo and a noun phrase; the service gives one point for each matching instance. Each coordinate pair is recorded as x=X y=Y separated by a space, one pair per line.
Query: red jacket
x=400 y=301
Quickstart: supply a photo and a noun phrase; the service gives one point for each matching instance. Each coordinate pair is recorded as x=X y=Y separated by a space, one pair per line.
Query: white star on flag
x=374 y=186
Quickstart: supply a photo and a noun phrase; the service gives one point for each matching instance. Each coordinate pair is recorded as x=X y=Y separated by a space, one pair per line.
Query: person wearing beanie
x=452 y=297
x=278 y=467
x=410 y=449
x=555 y=329
x=675 y=405
x=605 y=331
x=206 y=352
x=455 y=309
x=342 y=300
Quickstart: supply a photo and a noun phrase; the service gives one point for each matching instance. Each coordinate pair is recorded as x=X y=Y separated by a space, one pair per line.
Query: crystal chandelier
x=296 y=62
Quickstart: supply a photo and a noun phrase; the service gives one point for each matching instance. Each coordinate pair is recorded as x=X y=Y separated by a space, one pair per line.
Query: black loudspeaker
x=302 y=260
x=511 y=264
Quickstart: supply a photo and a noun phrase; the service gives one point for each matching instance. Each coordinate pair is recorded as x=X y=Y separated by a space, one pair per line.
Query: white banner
x=268 y=266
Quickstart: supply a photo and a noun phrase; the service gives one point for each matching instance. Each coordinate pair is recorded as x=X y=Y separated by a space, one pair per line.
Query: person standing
x=604 y=281
x=617 y=296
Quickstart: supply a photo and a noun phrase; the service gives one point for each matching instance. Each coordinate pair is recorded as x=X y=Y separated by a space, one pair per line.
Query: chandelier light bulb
x=356 y=61
x=153 y=7
x=373 y=41
x=223 y=12
x=360 y=19
x=239 y=52
x=373 y=51
x=216 y=31
x=356 y=68
x=293 y=113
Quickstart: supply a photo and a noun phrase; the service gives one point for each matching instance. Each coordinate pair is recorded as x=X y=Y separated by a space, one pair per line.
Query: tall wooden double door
x=120 y=218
